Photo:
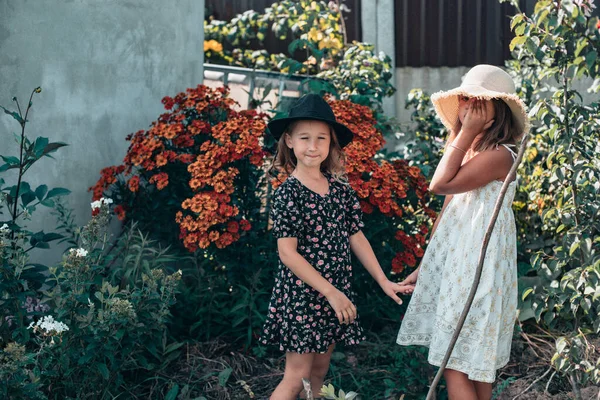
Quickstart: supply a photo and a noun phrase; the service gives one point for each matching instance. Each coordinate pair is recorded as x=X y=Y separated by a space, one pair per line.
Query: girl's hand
x=343 y=307
x=476 y=118
x=391 y=288
x=411 y=280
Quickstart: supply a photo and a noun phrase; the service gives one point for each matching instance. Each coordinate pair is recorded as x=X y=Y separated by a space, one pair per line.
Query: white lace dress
x=445 y=280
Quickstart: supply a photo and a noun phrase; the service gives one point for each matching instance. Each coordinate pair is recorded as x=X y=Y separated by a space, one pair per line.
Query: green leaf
x=57 y=192
x=52 y=147
x=172 y=347
x=27 y=197
x=41 y=191
x=516 y=19
x=573 y=248
x=14 y=161
x=561 y=344
x=38 y=146
x=517 y=40
x=49 y=237
x=103 y=370
x=14 y=115
x=47 y=203
x=172 y=395
x=526 y=293
x=224 y=376
x=580 y=46
x=590 y=59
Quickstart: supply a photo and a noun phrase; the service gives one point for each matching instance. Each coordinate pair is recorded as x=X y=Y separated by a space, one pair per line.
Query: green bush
x=104 y=335
x=20 y=278
x=559 y=202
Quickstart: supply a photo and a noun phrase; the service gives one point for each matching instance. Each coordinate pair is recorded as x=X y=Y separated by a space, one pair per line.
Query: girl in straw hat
x=317 y=222
x=485 y=119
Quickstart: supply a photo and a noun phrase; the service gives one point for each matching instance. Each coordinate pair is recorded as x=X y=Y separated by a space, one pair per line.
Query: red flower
x=245 y=225
x=397 y=264
x=168 y=102
x=120 y=212
x=232 y=227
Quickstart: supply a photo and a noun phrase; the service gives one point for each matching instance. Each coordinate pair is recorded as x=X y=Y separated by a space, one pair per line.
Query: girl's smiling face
x=310 y=142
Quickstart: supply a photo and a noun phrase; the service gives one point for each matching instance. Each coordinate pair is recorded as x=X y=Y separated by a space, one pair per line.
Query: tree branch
x=486 y=240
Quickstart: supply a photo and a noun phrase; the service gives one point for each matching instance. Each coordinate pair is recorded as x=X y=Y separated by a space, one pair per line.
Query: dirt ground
x=537 y=393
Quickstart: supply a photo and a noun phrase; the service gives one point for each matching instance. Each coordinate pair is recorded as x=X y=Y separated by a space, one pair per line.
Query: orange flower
x=211 y=143
x=213 y=236
x=161 y=180
x=161 y=160
x=134 y=183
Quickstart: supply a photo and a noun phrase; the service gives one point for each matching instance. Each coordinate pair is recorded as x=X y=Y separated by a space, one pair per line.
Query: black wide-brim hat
x=311 y=107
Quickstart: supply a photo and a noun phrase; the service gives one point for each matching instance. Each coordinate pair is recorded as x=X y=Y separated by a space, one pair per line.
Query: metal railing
x=227 y=74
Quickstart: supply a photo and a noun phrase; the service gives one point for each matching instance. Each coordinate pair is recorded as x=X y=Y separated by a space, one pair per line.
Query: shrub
x=555 y=46
x=218 y=201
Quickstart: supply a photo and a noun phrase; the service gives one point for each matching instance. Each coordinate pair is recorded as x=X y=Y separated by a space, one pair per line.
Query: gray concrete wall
x=377 y=18
x=429 y=79
x=103 y=67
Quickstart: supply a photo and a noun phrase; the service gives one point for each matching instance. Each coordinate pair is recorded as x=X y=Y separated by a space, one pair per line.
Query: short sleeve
x=285 y=213
x=355 y=222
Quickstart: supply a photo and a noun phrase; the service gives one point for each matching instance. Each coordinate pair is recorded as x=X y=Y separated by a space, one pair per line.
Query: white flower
x=78 y=252
x=99 y=203
x=49 y=326
x=4 y=228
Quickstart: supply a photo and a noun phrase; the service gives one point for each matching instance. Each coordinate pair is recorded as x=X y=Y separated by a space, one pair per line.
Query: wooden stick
x=486 y=239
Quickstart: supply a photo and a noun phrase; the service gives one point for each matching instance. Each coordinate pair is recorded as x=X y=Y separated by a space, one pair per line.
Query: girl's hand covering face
x=477 y=115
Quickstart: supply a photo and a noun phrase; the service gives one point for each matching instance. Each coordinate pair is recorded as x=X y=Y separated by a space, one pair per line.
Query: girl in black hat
x=317 y=221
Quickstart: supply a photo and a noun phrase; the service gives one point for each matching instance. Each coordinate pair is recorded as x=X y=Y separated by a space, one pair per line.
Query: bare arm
x=364 y=252
x=450 y=176
x=361 y=247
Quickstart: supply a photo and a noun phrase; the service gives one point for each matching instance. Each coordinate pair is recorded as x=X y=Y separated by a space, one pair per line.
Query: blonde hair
x=285 y=161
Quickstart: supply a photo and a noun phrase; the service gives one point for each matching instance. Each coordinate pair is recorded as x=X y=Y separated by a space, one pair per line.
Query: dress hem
x=305 y=351
x=472 y=376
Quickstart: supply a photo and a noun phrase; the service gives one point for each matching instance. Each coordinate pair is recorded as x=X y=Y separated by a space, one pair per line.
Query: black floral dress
x=300 y=319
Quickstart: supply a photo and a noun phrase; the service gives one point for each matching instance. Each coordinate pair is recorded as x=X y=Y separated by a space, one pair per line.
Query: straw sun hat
x=484 y=82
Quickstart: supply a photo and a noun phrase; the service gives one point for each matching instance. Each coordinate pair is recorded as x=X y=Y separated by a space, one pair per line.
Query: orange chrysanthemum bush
x=191 y=176
x=195 y=180
x=393 y=195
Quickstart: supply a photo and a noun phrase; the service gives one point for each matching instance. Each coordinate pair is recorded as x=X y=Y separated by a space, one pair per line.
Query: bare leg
x=459 y=386
x=484 y=390
x=319 y=370
x=297 y=366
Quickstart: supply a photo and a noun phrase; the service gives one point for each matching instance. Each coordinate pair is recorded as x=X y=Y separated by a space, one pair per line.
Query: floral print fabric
x=300 y=318
x=445 y=280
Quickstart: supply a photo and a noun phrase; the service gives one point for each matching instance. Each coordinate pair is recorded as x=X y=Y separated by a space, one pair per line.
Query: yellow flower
x=315 y=35
x=531 y=154
x=213 y=45
x=330 y=43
